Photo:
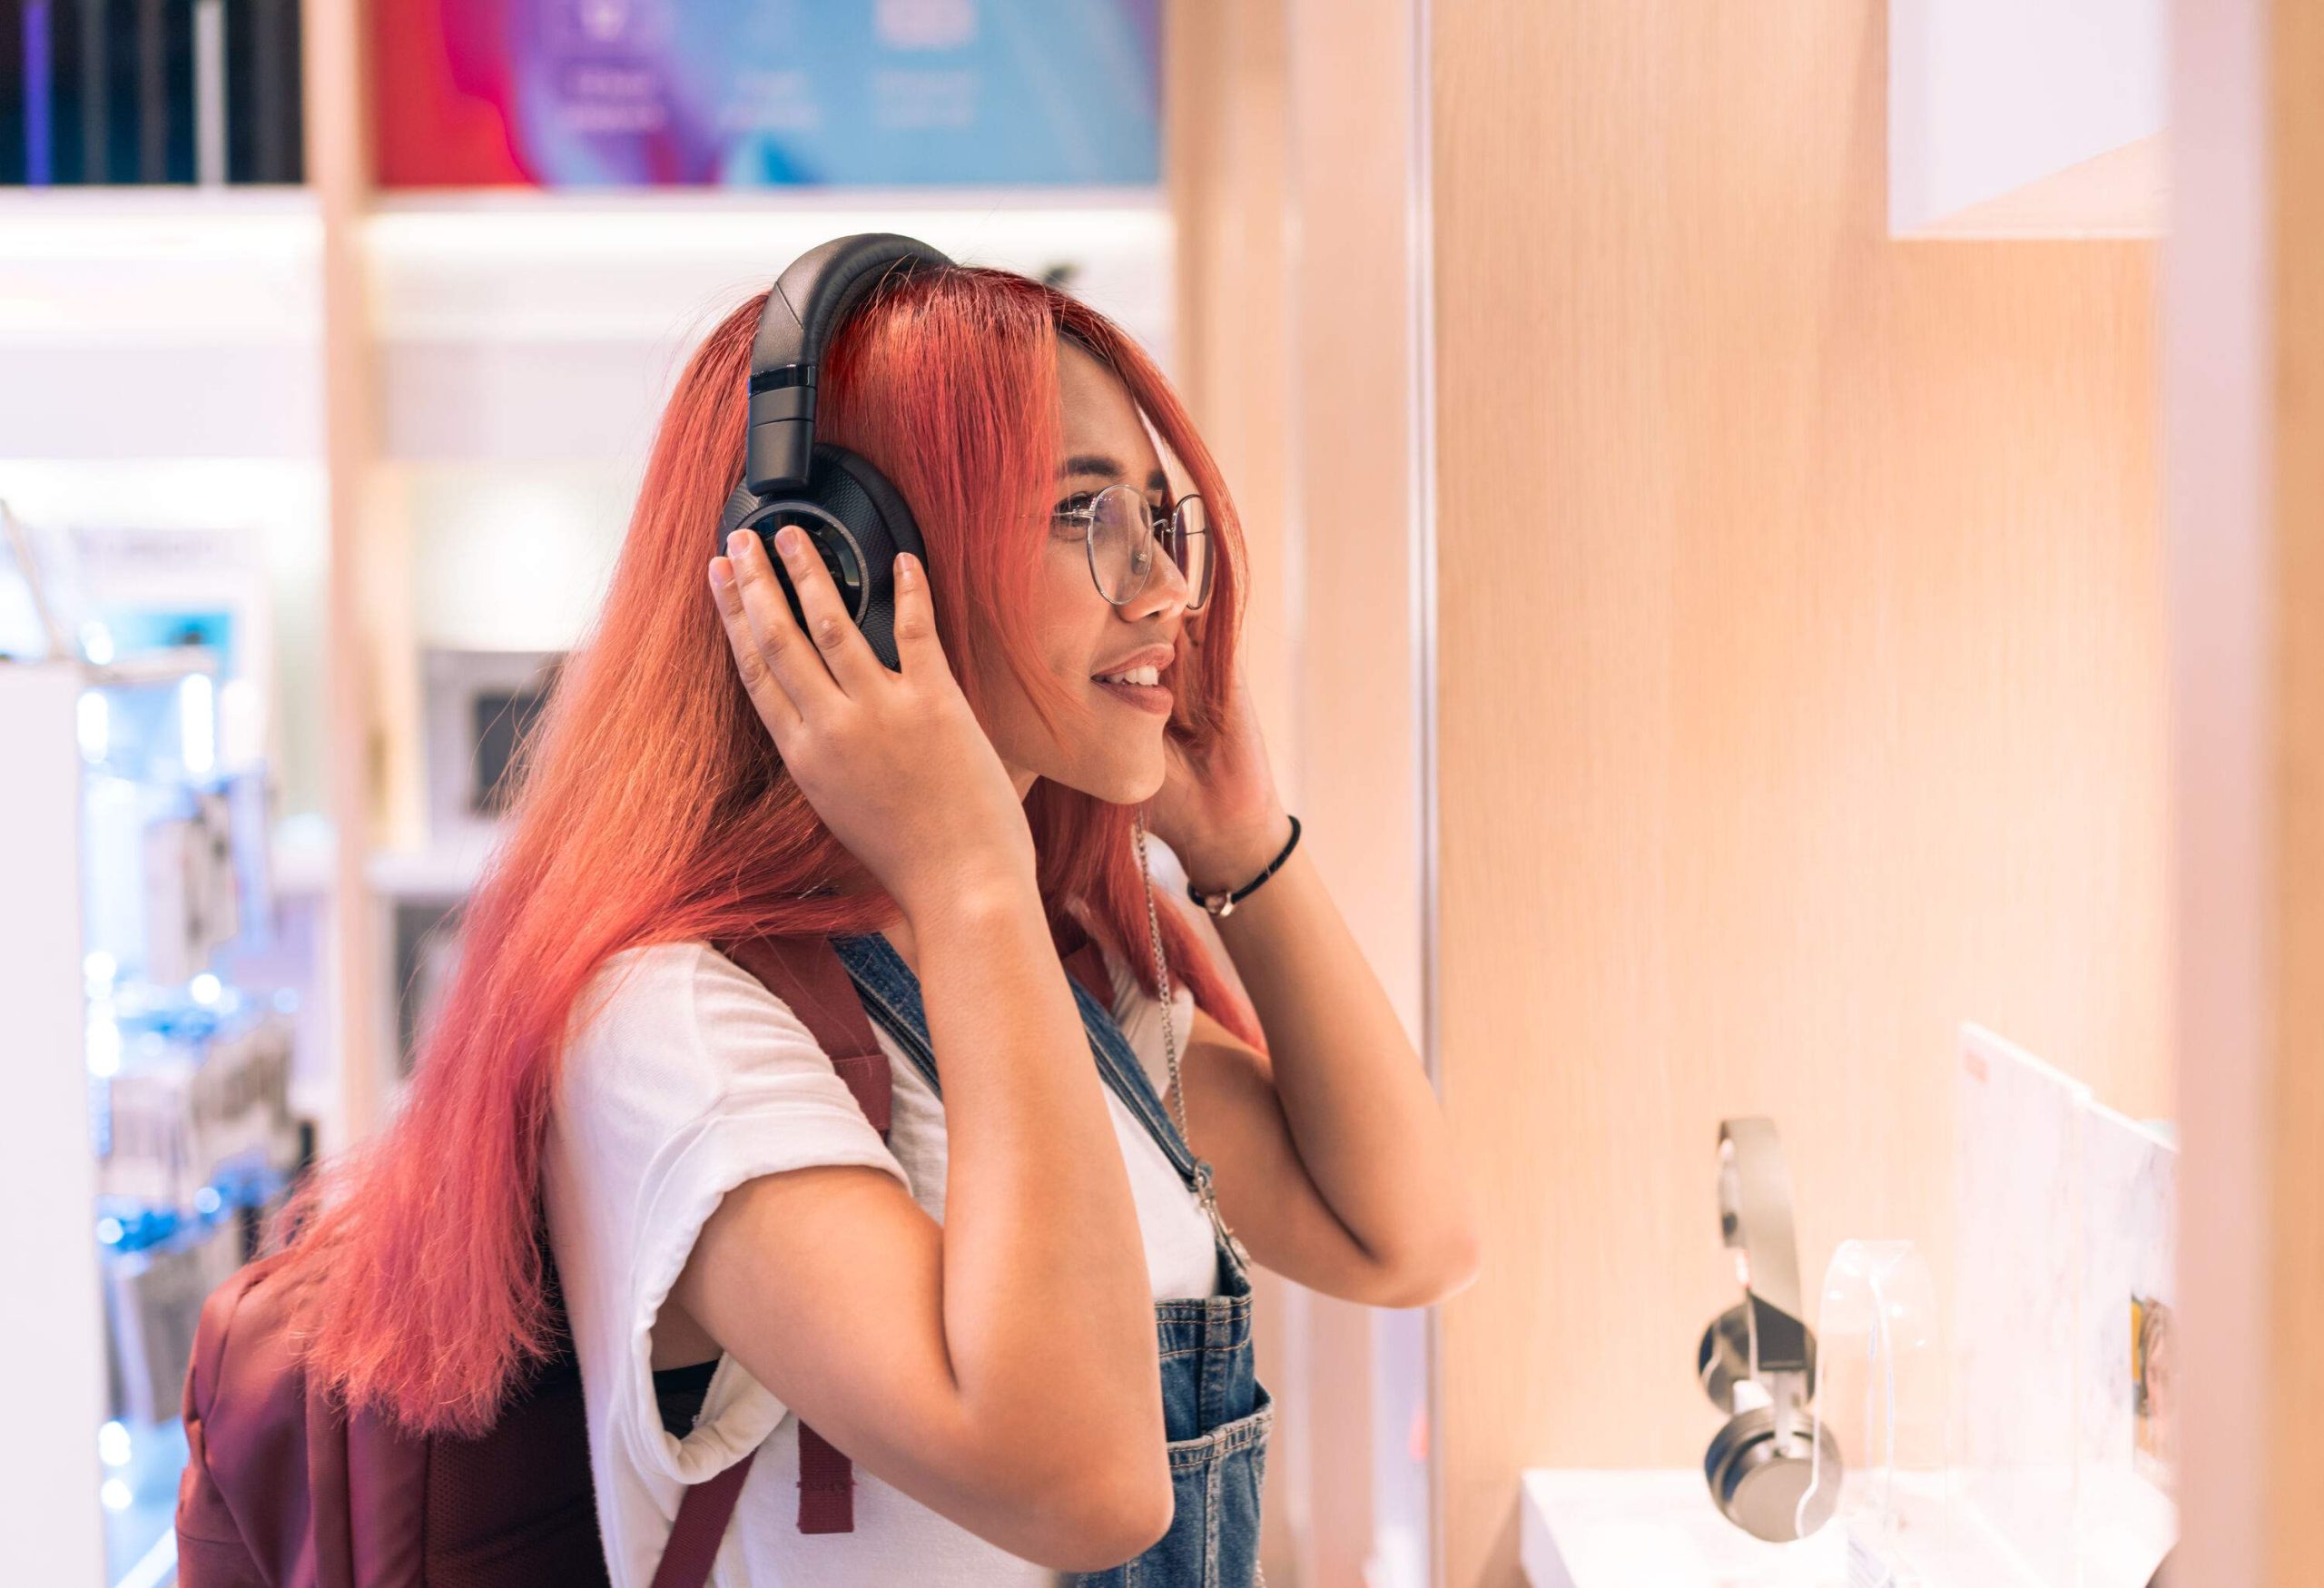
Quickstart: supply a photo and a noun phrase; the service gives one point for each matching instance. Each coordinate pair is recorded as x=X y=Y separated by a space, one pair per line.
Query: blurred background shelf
x=161 y=323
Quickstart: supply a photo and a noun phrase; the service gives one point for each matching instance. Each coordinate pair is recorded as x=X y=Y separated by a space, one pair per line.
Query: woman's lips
x=1152 y=699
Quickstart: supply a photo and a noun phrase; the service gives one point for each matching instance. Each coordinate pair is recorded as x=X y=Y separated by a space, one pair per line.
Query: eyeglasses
x=1120 y=527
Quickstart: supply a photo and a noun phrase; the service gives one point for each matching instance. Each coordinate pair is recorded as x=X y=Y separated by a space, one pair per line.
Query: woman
x=973 y=1308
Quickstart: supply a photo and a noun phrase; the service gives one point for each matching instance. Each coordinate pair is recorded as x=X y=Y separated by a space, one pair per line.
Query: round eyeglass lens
x=1120 y=554
x=1125 y=531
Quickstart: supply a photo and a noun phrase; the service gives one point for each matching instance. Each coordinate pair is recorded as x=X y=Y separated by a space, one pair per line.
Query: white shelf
x=1655 y=1528
x=147 y=204
x=520 y=326
x=300 y=868
x=532 y=201
x=513 y=325
x=159 y=322
x=443 y=872
x=2026 y=118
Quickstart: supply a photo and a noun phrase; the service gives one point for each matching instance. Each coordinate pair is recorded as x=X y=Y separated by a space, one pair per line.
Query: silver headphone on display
x=1756 y=1361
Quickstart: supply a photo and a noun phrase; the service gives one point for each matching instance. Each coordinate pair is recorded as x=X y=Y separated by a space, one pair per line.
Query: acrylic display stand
x=1881 y=1391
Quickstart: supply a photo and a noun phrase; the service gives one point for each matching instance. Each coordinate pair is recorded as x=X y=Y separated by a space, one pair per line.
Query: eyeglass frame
x=1088 y=514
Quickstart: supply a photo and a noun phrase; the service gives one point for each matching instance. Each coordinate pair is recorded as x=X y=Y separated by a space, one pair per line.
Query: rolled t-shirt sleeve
x=688 y=1079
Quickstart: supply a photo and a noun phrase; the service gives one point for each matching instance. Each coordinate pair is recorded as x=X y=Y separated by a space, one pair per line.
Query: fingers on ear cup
x=857 y=521
x=1778 y=1490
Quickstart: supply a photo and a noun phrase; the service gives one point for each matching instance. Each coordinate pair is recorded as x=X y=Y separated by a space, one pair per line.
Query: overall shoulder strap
x=806 y=973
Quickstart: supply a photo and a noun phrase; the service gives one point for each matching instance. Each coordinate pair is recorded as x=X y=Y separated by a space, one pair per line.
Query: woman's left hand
x=1219 y=812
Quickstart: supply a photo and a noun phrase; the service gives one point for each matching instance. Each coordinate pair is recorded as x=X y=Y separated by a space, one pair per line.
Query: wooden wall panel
x=2246 y=366
x=2294 y=768
x=1800 y=687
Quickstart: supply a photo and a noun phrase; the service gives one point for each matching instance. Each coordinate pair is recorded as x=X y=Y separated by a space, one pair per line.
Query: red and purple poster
x=767 y=93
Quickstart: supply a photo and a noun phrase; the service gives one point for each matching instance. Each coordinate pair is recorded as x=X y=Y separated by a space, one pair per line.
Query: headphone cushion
x=1774 y=1495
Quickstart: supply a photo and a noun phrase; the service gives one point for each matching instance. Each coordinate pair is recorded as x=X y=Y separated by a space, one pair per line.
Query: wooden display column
x=2244 y=371
x=338 y=169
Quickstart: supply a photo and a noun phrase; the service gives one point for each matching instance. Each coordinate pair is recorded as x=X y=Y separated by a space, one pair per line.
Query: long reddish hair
x=652 y=807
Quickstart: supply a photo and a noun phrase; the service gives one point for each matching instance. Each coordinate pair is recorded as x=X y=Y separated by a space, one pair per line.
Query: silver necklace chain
x=1170 y=1047
x=1177 y=1096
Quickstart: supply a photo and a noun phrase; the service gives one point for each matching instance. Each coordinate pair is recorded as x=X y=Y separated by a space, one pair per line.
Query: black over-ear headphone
x=1763 y=1466
x=853 y=518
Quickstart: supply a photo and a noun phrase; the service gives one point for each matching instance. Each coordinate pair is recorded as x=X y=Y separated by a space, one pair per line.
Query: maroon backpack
x=282 y=1490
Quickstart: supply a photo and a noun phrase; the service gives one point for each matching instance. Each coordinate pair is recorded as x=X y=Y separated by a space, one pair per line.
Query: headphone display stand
x=1881 y=1391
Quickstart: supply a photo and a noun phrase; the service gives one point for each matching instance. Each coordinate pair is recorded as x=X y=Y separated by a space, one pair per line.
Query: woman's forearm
x=1047 y=1300
x=1356 y=1095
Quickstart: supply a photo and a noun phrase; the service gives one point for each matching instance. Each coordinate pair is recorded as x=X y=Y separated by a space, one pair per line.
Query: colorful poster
x=767 y=93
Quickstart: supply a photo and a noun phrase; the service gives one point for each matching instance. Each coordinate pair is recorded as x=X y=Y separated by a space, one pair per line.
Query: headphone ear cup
x=878 y=523
x=739 y=503
x=1769 y=1492
x=857 y=522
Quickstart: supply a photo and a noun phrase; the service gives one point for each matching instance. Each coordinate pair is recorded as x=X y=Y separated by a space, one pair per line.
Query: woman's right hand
x=895 y=764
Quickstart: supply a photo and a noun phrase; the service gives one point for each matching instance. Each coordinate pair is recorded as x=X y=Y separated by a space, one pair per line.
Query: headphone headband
x=810 y=301
x=1754 y=1218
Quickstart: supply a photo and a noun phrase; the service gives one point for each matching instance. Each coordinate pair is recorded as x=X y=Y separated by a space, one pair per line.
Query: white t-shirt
x=686 y=1078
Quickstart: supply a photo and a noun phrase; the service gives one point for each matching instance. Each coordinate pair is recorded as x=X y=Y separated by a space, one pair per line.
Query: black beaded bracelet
x=1224 y=903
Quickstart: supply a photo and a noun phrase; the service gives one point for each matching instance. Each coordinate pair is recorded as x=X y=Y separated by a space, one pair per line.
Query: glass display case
x=153 y=1131
x=189 y=1072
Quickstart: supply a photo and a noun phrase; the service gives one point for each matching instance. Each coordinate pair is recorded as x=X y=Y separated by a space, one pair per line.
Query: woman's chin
x=1127 y=782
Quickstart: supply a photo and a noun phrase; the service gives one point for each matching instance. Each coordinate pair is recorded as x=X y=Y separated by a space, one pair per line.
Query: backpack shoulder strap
x=240 y=1446
x=806 y=973
x=702 y=1521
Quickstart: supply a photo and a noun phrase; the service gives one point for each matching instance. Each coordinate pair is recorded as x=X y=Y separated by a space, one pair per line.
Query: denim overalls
x=1217 y=1411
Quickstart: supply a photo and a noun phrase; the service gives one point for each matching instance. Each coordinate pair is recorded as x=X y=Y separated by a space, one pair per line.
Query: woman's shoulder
x=647 y=979
x=654 y=977
x=682 y=1014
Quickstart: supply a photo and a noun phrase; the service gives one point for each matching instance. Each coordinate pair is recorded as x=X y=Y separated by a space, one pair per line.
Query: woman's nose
x=1164 y=587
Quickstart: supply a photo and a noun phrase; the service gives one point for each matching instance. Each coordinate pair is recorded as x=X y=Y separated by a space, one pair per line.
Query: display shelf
x=536 y=201
x=1654 y=1529
x=205 y=306
x=154 y=202
x=523 y=326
